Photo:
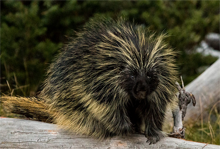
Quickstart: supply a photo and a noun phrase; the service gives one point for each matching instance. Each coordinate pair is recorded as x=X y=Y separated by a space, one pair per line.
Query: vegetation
x=207 y=130
x=33 y=32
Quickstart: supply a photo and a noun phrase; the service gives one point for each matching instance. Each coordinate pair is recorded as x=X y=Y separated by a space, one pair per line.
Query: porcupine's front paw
x=154 y=137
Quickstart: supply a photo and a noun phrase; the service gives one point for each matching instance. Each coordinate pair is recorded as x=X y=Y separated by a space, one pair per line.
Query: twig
x=178 y=114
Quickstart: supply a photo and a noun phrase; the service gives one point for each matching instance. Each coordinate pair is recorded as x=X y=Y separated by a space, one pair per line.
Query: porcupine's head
x=147 y=64
x=134 y=59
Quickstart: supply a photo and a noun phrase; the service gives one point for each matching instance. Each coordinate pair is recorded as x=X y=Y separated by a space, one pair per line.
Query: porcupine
x=115 y=78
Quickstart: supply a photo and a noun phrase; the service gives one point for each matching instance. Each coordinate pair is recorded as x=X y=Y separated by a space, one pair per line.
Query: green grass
x=208 y=130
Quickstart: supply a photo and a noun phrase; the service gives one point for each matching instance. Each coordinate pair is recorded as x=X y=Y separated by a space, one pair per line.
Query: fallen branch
x=179 y=113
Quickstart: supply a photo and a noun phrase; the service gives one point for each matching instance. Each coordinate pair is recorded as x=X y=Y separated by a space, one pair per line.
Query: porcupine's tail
x=31 y=107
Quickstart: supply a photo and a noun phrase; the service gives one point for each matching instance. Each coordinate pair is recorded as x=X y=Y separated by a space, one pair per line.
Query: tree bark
x=18 y=133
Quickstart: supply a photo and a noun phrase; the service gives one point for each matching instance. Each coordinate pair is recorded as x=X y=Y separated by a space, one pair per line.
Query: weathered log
x=206 y=89
x=18 y=133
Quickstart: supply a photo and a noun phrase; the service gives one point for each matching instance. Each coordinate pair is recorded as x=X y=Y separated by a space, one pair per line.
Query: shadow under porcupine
x=115 y=78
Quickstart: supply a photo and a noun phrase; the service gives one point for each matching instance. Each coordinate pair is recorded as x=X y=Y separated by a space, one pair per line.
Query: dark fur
x=113 y=79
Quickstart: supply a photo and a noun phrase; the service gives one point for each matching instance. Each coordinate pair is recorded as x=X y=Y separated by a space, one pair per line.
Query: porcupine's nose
x=140 y=89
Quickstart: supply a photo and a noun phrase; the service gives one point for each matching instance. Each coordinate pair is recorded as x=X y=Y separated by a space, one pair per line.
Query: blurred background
x=33 y=32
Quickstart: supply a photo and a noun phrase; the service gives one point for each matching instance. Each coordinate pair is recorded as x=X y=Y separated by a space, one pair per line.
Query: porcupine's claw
x=152 y=139
x=155 y=138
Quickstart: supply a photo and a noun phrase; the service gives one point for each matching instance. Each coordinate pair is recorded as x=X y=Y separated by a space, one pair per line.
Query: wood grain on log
x=18 y=133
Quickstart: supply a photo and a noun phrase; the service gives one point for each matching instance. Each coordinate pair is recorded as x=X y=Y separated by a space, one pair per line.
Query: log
x=206 y=89
x=18 y=133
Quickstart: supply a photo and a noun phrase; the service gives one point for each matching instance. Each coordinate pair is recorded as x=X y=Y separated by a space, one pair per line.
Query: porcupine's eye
x=132 y=77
